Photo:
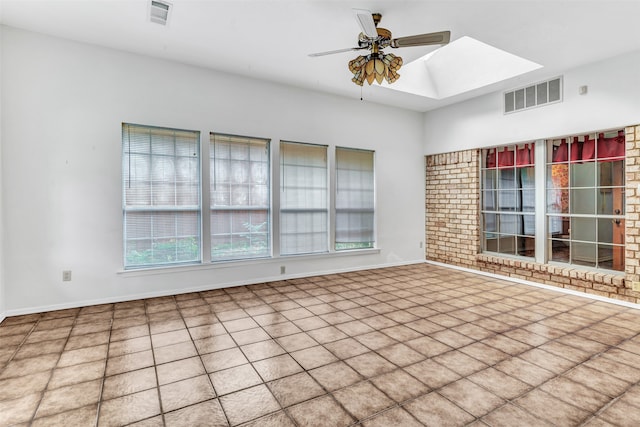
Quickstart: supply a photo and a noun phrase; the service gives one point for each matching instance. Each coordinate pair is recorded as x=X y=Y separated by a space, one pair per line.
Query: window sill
x=147 y=271
x=607 y=277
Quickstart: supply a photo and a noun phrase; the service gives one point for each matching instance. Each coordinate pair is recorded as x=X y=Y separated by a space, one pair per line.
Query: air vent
x=546 y=92
x=159 y=12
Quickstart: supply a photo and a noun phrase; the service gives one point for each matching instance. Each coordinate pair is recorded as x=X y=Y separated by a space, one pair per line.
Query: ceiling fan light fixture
x=376 y=66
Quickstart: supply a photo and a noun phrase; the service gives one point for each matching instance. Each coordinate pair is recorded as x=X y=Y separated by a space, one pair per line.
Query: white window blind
x=303 y=200
x=354 y=199
x=161 y=202
x=239 y=178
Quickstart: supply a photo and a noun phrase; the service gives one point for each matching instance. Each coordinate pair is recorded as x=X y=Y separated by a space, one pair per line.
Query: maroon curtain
x=491 y=158
x=524 y=156
x=505 y=158
x=560 y=154
x=611 y=148
x=575 y=150
x=588 y=148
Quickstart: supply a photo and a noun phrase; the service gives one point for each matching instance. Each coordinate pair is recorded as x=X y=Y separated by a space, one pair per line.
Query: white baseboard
x=85 y=303
x=538 y=285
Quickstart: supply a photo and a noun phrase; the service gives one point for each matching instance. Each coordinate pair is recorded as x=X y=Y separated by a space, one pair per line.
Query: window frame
x=249 y=208
x=348 y=246
x=495 y=163
x=151 y=208
x=543 y=218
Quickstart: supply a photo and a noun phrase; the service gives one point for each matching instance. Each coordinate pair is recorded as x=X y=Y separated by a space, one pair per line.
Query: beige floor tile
x=401 y=355
x=320 y=412
x=130 y=408
x=179 y=370
x=129 y=382
x=18 y=410
x=262 y=350
x=77 y=373
x=500 y=383
x=327 y=335
x=277 y=419
x=432 y=373
x=346 y=348
x=171 y=353
x=597 y=380
x=433 y=409
x=472 y=398
x=545 y=406
x=250 y=336
x=31 y=365
x=207 y=413
x=85 y=416
x=392 y=417
x=38 y=349
x=133 y=345
x=248 y=404
x=186 y=392
x=524 y=371
x=335 y=376
x=460 y=363
x=223 y=359
x=363 y=400
x=169 y=338
x=575 y=393
x=428 y=346
x=14 y=388
x=129 y=362
x=295 y=389
x=214 y=343
x=400 y=386
x=296 y=342
x=69 y=397
x=234 y=379
x=370 y=364
x=375 y=340
x=313 y=357
x=277 y=367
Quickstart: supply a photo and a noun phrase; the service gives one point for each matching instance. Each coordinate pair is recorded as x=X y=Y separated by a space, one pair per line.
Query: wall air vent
x=159 y=12
x=547 y=92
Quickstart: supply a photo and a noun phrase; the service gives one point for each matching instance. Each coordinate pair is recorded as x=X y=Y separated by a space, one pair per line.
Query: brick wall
x=452 y=203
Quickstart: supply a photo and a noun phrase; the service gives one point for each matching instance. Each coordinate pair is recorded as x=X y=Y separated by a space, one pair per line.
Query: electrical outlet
x=635 y=286
x=283 y=269
x=66 y=275
x=420 y=245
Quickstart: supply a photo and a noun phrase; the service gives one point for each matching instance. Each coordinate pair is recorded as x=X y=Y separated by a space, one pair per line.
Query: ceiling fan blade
x=441 y=37
x=365 y=20
x=331 y=52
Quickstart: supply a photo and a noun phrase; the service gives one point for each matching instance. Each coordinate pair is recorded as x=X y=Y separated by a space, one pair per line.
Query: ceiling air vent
x=542 y=93
x=159 y=12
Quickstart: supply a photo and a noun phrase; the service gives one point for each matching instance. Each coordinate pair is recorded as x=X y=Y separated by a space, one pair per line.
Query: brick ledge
x=523 y=266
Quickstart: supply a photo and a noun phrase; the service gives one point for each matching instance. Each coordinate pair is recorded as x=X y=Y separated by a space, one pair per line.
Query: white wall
x=64 y=103
x=612 y=101
x=2 y=296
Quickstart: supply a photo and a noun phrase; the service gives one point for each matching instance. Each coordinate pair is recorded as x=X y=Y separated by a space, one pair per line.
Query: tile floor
x=405 y=346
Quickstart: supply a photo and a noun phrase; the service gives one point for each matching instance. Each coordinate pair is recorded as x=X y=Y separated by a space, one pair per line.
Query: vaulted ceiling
x=271 y=39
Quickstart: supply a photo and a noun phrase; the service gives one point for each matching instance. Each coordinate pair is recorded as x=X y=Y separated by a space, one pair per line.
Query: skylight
x=461 y=66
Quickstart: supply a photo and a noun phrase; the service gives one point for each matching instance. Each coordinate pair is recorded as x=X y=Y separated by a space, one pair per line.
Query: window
x=239 y=175
x=585 y=200
x=168 y=206
x=508 y=200
x=354 y=199
x=303 y=198
x=161 y=203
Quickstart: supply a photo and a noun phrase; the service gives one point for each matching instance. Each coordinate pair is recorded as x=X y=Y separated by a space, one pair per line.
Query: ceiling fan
x=377 y=65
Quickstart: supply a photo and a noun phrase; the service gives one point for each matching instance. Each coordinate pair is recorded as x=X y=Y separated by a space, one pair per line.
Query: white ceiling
x=271 y=39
